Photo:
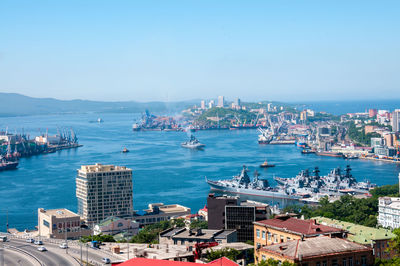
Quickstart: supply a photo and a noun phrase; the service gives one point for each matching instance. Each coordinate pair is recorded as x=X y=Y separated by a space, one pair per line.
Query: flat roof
x=59 y=213
x=205 y=233
x=394 y=202
x=102 y=168
x=358 y=233
x=314 y=246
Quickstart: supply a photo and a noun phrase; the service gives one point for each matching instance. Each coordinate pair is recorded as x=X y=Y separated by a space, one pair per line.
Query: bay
x=162 y=170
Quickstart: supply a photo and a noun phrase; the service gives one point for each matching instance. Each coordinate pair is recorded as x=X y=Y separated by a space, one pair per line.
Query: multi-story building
x=103 y=191
x=389 y=212
x=377 y=238
x=227 y=212
x=158 y=212
x=372 y=112
x=221 y=102
x=61 y=224
x=285 y=228
x=319 y=251
x=203 y=104
x=396 y=120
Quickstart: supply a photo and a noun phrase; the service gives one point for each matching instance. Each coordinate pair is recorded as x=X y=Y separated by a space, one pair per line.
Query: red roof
x=305 y=227
x=152 y=262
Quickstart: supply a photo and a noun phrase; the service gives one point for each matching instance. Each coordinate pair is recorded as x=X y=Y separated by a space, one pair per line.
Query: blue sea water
x=162 y=170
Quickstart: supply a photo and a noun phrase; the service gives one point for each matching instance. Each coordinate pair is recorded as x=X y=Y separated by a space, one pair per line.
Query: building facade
x=221 y=101
x=319 y=251
x=286 y=228
x=104 y=191
x=216 y=210
x=389 y=212
x=60 y=224
x=115 y=225
x=396 y=120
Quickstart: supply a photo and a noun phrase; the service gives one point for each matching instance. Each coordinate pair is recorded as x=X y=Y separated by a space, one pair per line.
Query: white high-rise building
x=211 y=104
x=396 y=120
x=203 y=104
x=220 y=101
x=104 y=191
x=389 y=211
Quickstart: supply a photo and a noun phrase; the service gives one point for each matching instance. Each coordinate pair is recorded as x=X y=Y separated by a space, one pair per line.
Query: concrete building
x=184 y=236
x=158 y=212
x=372 y=112
x=211 y=104
x=60 y=224
x=319 y=251
x=104 y=191
x=377 y=238
x=285 y=228
x=221 y=102
x=389 y=212
x=216 y=210
x=115 y=225
x=203 y=104
x=376 y=142
x=396 y=120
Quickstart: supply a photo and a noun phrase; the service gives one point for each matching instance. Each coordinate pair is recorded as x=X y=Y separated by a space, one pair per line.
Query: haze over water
x=162 y=170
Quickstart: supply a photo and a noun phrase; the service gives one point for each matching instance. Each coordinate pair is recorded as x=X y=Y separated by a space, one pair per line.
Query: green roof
x=358 y=233
x=109 y=220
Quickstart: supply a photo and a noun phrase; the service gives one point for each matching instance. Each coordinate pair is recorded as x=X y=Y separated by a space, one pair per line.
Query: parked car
x=106 y=260
x=42 y=249
x=63 y=245
x=30 y=240
x=38 y=242
x=3 y=238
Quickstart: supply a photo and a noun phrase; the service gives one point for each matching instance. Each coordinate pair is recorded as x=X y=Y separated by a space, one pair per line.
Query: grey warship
x=193 y=143
x=241 y=184
x=335 y=183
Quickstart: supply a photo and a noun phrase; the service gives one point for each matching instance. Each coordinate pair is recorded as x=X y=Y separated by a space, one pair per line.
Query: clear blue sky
x=177 y=50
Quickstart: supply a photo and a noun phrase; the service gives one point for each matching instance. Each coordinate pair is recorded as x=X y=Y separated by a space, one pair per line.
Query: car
x=63 y=245
x=38 y=242
x=30 y=240
x=42 y=249
x=106 y=260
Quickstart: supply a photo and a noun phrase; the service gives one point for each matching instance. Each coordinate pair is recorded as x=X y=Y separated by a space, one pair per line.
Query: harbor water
x=163 y=171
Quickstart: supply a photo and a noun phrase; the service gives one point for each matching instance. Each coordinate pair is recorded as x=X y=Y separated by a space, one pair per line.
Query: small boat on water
x=125 y=150
x=307 y=151
x=100 y=120
x=7 y=164
x=265 y=164
x=350 y=156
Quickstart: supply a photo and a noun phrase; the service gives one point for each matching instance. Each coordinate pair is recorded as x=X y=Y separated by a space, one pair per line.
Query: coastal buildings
x=184 y=236
x=377 y=238
x=285 y=228
x=221 y=102
x=318 y=251
x=104 y=191
x=61 y=224
x=158 y=212
x=396 y=120
x=216 y=210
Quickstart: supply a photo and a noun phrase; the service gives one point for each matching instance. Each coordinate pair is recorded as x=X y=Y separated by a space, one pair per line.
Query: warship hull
x=252 y=192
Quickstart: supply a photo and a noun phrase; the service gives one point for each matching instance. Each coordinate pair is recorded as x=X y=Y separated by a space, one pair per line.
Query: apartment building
x=104 y=191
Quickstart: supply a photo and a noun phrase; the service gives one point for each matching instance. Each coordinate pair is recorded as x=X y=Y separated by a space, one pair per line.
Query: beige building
x=61 y=224
x=103 y=191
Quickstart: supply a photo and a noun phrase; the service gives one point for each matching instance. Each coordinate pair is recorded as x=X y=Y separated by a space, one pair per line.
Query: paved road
x=12 y=257
x=47 y=258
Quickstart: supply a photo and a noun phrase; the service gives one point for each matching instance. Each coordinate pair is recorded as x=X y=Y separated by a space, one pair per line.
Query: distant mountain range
x=13 y=104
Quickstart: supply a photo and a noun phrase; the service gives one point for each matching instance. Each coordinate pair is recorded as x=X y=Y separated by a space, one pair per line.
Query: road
x=27 y=252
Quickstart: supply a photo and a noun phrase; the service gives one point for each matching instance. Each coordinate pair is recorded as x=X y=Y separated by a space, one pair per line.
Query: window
x=282 y=238
x=334 y=262
x=344 y=262
x=46 y=223
x=269 y=236
x=258 y=233
x=324 y=263
x=287 y=238
x=363 y=260
x=263 y=257
x=263 y=235
x=350 y=261
x=318 y=264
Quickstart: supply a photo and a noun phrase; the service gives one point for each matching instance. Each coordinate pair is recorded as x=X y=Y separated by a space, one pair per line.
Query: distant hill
x=13 y=104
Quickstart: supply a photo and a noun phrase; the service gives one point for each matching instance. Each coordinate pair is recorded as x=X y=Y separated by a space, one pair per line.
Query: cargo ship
x=329 y=153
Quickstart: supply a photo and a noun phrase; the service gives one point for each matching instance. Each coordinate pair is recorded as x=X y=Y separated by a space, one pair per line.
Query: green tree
x=395 y=243
x=199 y=224
x=99 y=238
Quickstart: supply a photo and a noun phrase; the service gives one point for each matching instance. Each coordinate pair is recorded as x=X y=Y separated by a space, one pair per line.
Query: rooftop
x=358 y=233
x=102 y=168
x=109 y=220
x=195 y=234
x=298 y=226
x=59 y=213
x=143 y=262
x=391 y=202
x=314 y=246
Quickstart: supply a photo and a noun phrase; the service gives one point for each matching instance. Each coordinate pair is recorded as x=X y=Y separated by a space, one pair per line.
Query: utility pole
x=81 y=254
x=65 y=228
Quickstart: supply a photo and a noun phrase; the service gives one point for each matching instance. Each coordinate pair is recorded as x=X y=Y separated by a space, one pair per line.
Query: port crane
x=200 y=246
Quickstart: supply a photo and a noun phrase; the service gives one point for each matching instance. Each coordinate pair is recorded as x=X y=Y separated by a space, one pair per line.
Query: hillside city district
x=107 y=229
